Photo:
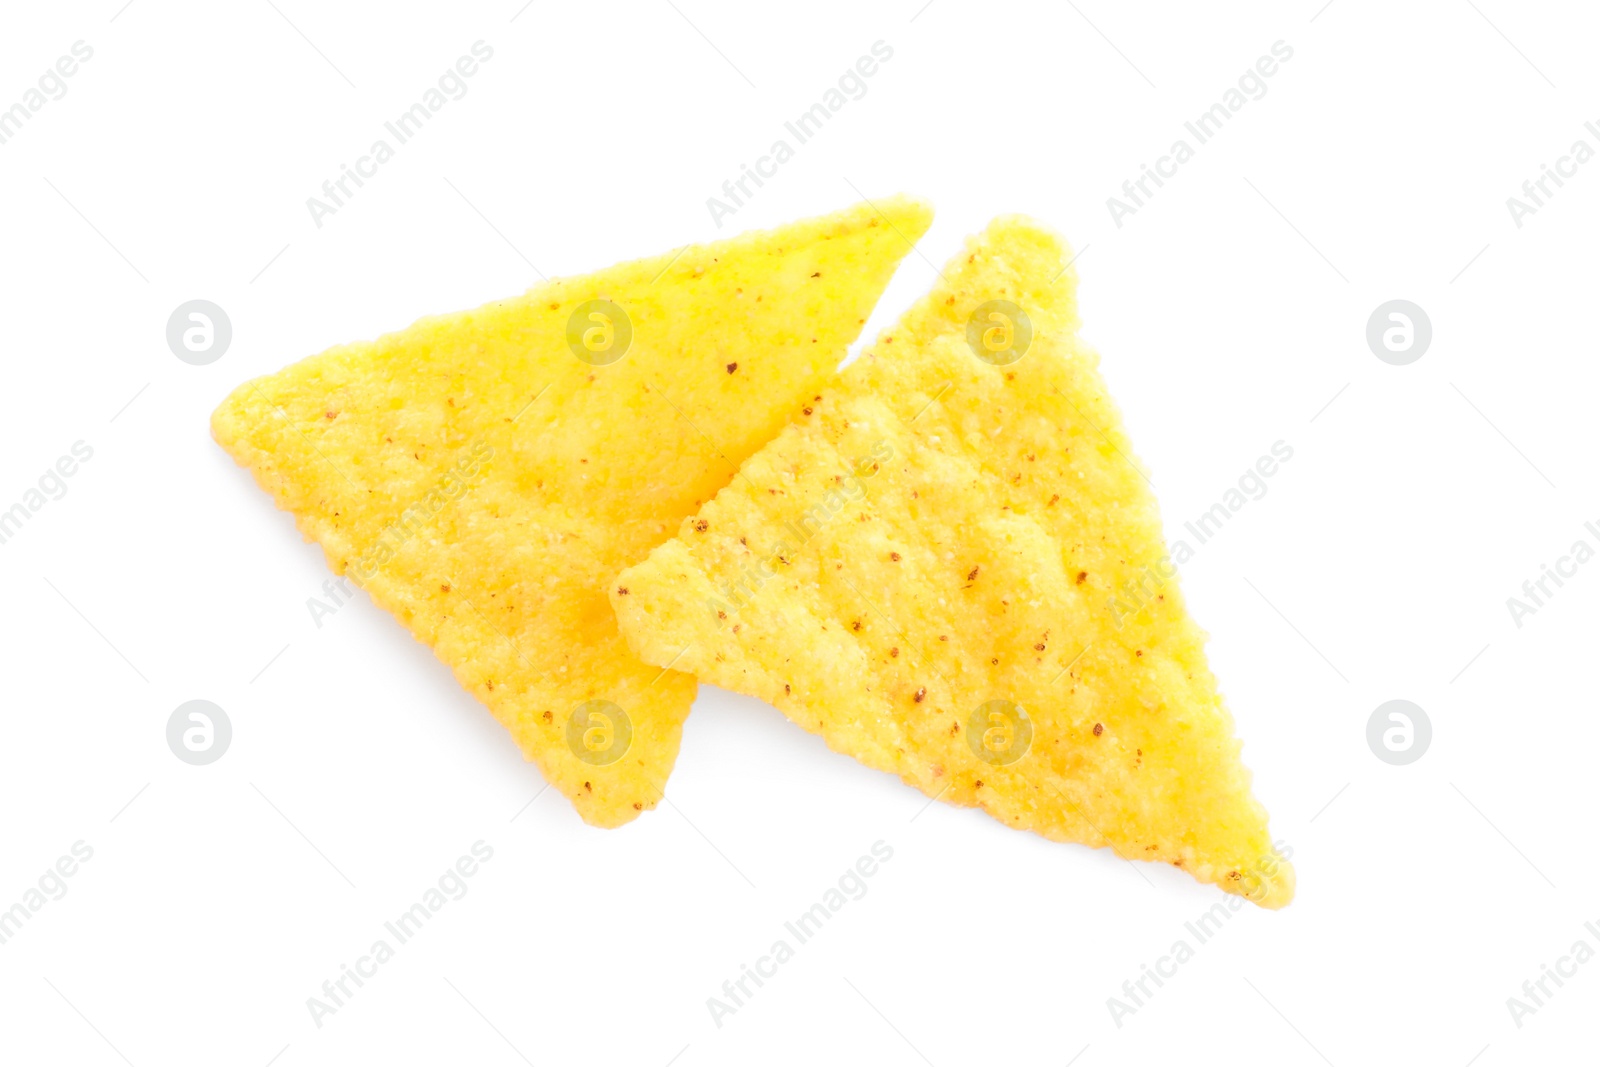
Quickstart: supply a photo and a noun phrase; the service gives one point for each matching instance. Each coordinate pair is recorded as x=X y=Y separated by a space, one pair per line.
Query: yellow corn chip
x=483 y=475
x=952 y=570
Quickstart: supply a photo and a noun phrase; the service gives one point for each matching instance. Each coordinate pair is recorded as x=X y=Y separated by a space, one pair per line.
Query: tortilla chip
x=484 y=475
x=952 y=569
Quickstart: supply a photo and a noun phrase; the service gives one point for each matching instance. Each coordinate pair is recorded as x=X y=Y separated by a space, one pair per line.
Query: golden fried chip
x=484 y=475
x=952 y=570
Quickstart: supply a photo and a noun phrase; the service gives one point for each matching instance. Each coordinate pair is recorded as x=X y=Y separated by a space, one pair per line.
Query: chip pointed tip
x=611 y=816
x=1269 y=884
x=911 y=215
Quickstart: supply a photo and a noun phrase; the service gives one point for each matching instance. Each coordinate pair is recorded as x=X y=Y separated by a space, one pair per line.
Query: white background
x=1231 y=314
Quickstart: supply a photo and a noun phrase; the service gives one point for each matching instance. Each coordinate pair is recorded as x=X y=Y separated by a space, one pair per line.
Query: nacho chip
x=484 y=475
x=952 y=569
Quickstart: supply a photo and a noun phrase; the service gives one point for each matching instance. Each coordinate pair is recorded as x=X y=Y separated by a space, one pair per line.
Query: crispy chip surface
x=484 y=475
x=952 y=570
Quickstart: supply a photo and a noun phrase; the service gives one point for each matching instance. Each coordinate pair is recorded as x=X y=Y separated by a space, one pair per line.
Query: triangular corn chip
x=483 y=475
x=950 y=567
